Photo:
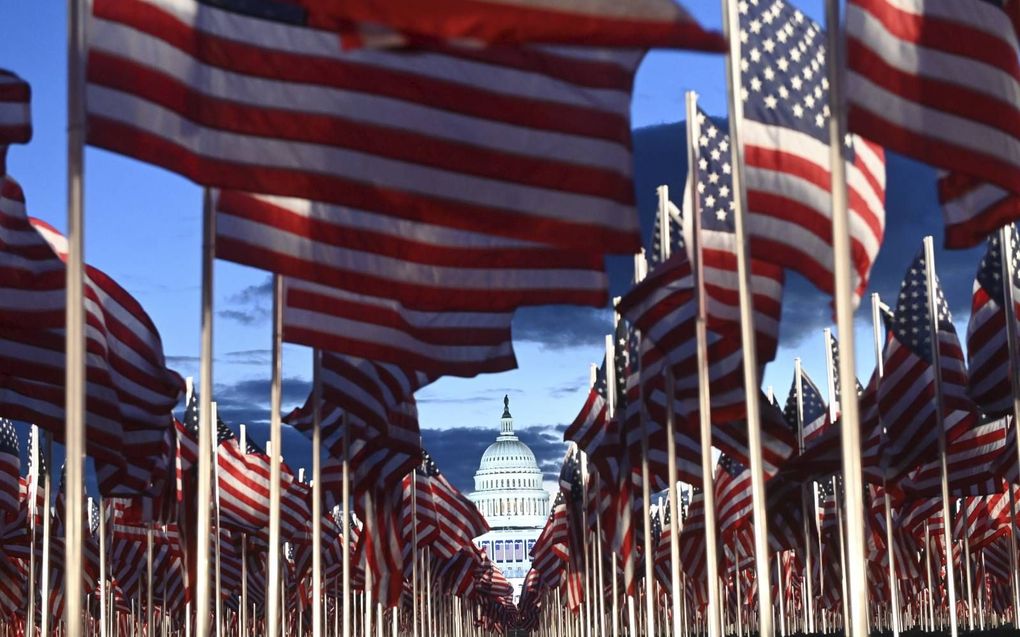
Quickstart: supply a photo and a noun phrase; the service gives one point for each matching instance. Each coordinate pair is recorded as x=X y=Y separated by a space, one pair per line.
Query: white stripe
x=965 y=207
x=369 y=169
x=983 y=16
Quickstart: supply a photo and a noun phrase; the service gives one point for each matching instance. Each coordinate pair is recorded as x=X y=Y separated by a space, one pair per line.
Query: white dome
x=508 y=483
x=508 y=455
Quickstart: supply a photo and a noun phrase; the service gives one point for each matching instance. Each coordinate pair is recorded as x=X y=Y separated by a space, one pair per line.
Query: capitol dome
x=508 y=483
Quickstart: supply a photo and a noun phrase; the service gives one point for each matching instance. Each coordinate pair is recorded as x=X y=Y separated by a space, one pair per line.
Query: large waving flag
x=786 y=147
x=939 y=80
x=529 y=144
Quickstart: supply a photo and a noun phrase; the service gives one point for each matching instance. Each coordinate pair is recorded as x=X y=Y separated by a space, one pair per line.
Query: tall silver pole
x=936 y=358
x=33 y=499
x=102 y=570
x=244 y=581
x=646 y=499
x=44 y=575
x=713 y=618
x=894 y=583
x=853 y=480
x=967 y=580
x=731 y=21
x=148 y=579
x=74 y=392
x=217 y=535
x=414 y=555
x=316 y=493
x=275 y=400
x=345 y=496
x=1012 y=554
x=610 y=414
x=205 y=426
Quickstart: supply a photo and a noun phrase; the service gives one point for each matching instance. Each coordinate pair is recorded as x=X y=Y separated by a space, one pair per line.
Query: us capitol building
x=509 y=493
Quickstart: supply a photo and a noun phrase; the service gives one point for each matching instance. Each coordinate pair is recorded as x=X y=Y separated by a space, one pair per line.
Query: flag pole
x=44 y=575
x=805 y=495
x=102 y=569
x=148 y=579
x=316 y=493
x=414 y=551
x=33 y=499
x=929 y=267
x=217 y=573
x=731 y=21
x=610 y=414
x=857 y=584
x=275 y=399
x=894 y=584
x=206 y=430
x=345 y=495
x=704 y=391
x=74 y=391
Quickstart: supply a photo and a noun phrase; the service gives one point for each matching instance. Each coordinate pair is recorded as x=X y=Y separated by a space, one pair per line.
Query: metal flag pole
x=1012 y=552
x=967 y=580
x=853 y=480
x=713 y=617
x=102 y=570
x=414 y=552
x=894 y=583
x=148 y=578
x=44 y=575
x=275 y=400
x=806 y=493
x=610 y=414
x=731 y=20
x=1013 y=348
x=244 y=582
x=243 y=444
x=33 y=499
x=928 y=566
x=205 y=425
x=74 y=390
x=782 y=593
x=345 y=496
x=936 y=358
x=316 y=493
x=218 y=539
x=588 y=593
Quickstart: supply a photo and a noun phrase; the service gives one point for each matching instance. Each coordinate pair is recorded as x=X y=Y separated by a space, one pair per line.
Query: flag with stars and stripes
x=714 y=185
x=906 y=393
x=662 y=539
x=692 y=547
x=786 y=148
x=732 y=496
x=458 y=519
x=572 y=488
x=939 y=81
x=987 y=350
x=836 y=384
x=10 y=467
x=591 y=420
x=815 y=412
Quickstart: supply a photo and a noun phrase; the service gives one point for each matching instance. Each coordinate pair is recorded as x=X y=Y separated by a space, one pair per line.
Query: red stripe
x=513 y=23
x=150 y=148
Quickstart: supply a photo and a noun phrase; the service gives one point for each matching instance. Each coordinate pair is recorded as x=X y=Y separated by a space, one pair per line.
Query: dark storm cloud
x=458 y=450
x=558 y=327
x=251 y=305
x=247 y=401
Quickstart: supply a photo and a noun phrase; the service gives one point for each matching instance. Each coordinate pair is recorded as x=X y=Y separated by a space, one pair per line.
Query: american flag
x=827 y=507
x=906 y=394
x=527 y=143
x=382 y=330
x=973 y=463
x=837 y=385
x=129 y=389
x=591 y=420
x=380 y=548
x=719 y=248
x=458 y=518
x=732 y=496
x=550 y=552
x=418 y=264
x=938 y=81
x=815 y=412
x=572 y=487
x=10 y=467
x=692 y=547
x=987 y=350
x=15 y=113
x=659 y=23
x=972 y=208
x=786 y=145
x=662 y=556
x=243 y=490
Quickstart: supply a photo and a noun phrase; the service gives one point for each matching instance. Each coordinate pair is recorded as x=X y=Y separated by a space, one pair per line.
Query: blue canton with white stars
x=782 y=64
x=814 y=406
x=8 y=438
x=910 y=321
x=715 y=181
x=989 y=274
x=733 y=467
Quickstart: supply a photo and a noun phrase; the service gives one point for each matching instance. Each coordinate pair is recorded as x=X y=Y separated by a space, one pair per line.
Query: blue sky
x=143 y=227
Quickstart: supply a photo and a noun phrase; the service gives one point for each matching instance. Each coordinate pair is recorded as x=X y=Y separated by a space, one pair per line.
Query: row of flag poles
x=408 y=192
